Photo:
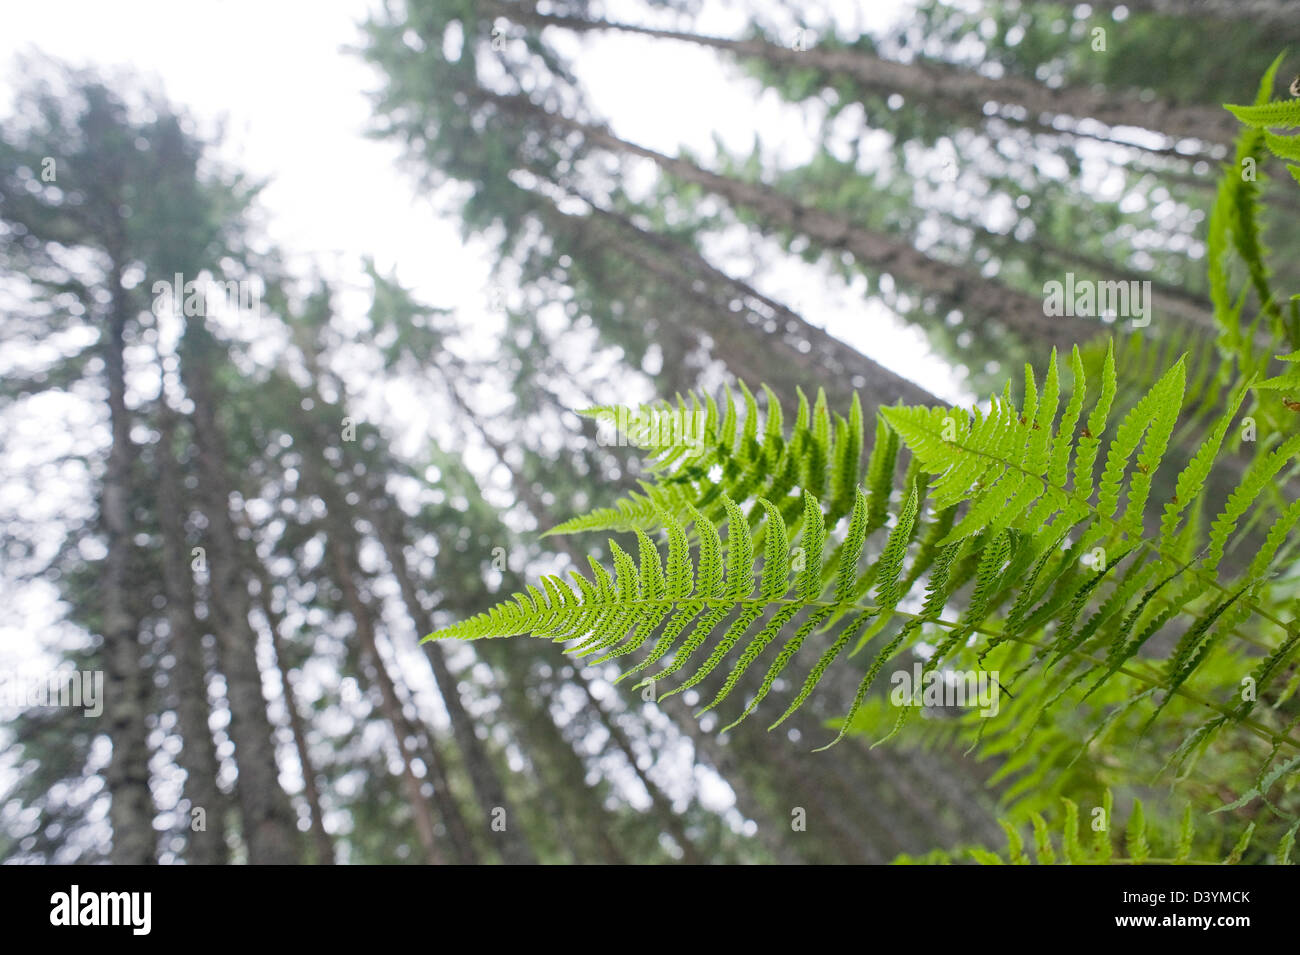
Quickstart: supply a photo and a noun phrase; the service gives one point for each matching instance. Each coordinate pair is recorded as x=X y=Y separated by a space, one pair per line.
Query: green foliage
x=1065 y=847
x=1014 y=506
x=1236 y=214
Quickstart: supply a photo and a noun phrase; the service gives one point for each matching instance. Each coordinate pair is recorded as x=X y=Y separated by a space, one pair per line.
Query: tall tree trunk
x=311 y=792
x=773 y=830
x=428 y=748
x=826 y=359
x=131 y=809
x=1166 y=298
x=390 y=705
x=942 y=85
x=509 y=841
x=661 y=806
x=413 y=741
x=956 y=285
x=574 y=808
x=342 y=545
x=198 y=755
x=269 y=828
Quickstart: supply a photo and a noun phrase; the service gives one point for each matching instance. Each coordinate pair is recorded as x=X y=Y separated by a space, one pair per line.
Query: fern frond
x=1005 y=512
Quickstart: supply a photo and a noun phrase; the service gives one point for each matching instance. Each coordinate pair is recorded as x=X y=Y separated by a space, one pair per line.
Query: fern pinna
x=1054 y=538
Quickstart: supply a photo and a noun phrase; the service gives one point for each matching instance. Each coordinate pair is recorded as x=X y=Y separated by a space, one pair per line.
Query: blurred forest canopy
x=236 y=541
